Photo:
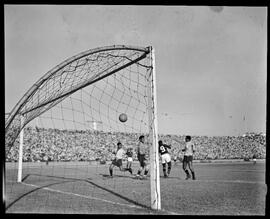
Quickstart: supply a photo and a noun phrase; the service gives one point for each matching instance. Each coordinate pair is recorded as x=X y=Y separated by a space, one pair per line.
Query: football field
x=227 y=188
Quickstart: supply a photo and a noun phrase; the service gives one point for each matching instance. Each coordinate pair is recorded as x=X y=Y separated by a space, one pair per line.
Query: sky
x=210 y=61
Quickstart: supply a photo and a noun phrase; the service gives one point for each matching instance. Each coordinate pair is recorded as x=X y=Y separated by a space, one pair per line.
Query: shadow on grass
x=118 y=195
x=34 y=190
x=73 y=180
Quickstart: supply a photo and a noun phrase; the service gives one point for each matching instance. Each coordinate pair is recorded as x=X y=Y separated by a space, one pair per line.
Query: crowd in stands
x=42 y=144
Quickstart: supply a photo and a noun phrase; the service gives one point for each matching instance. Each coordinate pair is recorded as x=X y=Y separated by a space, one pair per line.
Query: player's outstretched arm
x=168 y=146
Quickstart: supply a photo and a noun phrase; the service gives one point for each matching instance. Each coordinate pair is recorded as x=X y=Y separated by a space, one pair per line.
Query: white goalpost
x=52 y=122
x=154 y=157
x=20 y=158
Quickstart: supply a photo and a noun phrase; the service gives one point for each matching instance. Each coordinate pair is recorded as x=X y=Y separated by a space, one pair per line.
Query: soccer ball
x=123 y=117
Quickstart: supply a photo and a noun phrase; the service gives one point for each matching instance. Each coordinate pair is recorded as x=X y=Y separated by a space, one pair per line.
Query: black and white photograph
x=135 y=109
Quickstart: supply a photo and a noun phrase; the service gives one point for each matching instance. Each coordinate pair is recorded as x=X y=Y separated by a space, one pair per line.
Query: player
x=254 y=158
x=175 y=157
x=188 y=157
x=46 y=158
x=129 y=160
x=142 y=154
x=118 y=159
x=165 y=157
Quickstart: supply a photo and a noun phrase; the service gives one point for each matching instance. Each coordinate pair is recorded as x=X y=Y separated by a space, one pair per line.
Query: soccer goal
x=60 y=137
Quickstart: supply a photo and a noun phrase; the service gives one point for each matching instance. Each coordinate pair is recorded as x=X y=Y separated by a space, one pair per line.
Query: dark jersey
x=163 y=149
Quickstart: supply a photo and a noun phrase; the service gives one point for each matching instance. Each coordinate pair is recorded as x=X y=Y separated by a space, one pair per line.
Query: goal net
x=60 y=137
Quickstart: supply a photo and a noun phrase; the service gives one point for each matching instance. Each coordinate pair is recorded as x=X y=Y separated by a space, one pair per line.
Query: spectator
x=70 y=145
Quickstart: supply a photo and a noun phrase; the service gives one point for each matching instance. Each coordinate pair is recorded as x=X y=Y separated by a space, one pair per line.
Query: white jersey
x=189 y=148
x=120 y=153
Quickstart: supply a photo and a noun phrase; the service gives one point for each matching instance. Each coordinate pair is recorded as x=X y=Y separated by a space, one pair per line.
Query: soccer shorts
x=188 y=158
x=165 y=158
x=129 y=159
x=142 y=159
x=117 y=163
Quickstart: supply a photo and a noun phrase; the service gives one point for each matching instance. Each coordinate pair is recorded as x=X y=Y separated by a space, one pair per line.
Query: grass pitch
x=236 y=188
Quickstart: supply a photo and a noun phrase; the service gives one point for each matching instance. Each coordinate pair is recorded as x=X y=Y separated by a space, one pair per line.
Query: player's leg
x=128 y=168
x=146 y=167
x=169 y=162
x=175 y=159
x=130 y=164
x=121 y=168
x=185 y=167
x=111 y=169
x=190 y=165
x=163 y=161
x=169 y=167
x=141 y=165
x=139 y=171
x=120 y=165
x=164 y=169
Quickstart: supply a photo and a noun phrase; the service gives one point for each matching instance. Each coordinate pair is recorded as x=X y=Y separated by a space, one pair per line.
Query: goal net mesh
x=71 y=128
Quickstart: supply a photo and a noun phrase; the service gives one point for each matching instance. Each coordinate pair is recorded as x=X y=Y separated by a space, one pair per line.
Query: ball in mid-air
x=123 y=117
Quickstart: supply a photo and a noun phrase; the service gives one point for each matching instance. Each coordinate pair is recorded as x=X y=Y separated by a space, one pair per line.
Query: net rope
x=74 y=116
x=70 y=77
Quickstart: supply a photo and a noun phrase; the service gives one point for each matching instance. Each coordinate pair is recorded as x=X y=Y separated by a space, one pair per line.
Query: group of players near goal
x=143 y=158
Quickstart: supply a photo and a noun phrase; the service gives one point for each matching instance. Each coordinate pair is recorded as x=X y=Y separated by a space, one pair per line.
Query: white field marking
x=82 y=196
x=227 y=181
x=257 y=171
x=89 y=197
